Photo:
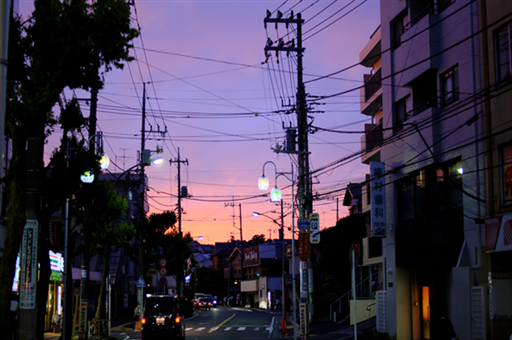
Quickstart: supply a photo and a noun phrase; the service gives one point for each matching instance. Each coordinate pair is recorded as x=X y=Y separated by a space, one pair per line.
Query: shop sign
x=303 y=279
x=378 y=194
x=251 y=256
x=55 y=276
x=303 y=245
x=56 y=262
x=500 y=285
x=498 y=233
x=28 y=277
x=303 y=320
x=82 y=324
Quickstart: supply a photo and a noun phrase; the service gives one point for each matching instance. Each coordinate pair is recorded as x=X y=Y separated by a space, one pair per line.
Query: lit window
x=450 y=86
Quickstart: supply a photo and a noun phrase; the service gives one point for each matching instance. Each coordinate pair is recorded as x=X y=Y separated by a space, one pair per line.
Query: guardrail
x=333 y=313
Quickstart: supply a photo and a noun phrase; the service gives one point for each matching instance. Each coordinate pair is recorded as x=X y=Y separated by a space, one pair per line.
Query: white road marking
x=228 y=328
x=241 y=329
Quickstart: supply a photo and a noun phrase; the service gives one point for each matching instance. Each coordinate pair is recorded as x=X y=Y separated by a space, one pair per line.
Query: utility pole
x=304 y=182
x=140 y=291
x=85 y=258
x=181 y=191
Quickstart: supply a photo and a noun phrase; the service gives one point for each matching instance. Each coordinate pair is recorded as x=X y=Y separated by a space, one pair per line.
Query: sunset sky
x=206 y=83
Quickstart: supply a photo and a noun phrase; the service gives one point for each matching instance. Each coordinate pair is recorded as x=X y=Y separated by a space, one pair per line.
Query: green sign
x=55 y=276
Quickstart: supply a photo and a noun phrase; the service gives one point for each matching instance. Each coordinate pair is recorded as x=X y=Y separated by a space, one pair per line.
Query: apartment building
x=439 y=147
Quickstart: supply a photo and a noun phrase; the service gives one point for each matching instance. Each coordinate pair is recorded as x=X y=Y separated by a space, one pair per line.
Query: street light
x=263 y=184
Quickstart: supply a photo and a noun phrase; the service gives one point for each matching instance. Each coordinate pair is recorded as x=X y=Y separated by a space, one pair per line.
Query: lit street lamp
x=275 y=196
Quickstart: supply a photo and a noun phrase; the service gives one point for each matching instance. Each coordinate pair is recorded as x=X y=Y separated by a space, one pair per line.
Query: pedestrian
x=445 y=330
x=13 y=315
x=136 y=312
x=56 y=322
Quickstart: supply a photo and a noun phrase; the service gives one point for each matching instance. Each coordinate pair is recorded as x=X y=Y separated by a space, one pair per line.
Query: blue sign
x=163 y=280
x=141 y=283
x=303 y=223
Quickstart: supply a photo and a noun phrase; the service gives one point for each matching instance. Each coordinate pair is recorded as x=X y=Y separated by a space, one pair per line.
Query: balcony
x=372 y=93
x=370 y=143
x=372 y=84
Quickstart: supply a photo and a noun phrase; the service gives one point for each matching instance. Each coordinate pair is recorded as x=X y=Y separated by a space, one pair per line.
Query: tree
x=63 y=44
x=258 y=239
x=108 y=232
x=161 y=238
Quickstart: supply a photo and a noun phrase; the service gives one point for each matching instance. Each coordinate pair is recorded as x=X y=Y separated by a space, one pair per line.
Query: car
x=196 y=298
x=211 y=299
x=162 y=318
x=204 y=303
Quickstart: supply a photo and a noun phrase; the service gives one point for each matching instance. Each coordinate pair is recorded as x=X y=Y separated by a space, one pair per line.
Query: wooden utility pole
x=304 y=183
x=181 y=192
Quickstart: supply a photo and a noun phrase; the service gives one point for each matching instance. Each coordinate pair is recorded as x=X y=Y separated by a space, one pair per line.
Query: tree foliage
x=69 y=43
x=258 y=239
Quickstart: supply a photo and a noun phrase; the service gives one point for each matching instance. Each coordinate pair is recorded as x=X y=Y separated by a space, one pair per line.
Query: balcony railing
x=432 y=102
x=373 y=138
x=372 y=85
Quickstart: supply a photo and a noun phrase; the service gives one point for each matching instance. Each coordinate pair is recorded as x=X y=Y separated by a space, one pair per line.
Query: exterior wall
x=499 y=112
x=426 y=54
x=362 y=313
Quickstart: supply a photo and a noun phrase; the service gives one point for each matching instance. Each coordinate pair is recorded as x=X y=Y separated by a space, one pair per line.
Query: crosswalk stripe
x=239 y=329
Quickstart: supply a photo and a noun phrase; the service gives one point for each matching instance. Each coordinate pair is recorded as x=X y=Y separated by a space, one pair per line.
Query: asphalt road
x=230 y=323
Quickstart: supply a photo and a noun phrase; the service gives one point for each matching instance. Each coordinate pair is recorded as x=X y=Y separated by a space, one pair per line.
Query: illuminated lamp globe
x=87 y=177
x=157 y=161
x=104 y=161
x=263 y=183
x=275 y=195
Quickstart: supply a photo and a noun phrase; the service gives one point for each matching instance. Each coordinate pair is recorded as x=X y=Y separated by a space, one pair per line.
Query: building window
x=506 y=160
x=503 y=53
x=398 y=28
x=433 y=190
x=402 y=110
x=412 y=196
x=450 y=86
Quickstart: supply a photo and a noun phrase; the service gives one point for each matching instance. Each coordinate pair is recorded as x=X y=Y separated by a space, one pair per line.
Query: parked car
x=162 y=318
x=204 y=302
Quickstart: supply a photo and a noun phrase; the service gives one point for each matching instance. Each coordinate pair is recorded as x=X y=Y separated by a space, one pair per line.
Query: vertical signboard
x=378 y=193
x=303 y=245
x=82 y=323
x=303 y=279
x=314 y=225
x=303 y=314
x=28 y=276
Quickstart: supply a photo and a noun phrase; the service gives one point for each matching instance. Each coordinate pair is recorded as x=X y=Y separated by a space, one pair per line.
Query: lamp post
x=146 y=160
x=275 y=196
x=281 y=236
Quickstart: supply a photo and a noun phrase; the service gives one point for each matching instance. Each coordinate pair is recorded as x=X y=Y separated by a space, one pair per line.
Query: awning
x=93 y=276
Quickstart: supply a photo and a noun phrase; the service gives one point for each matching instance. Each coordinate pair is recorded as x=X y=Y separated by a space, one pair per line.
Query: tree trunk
x=15 y=224
x=44 y=276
